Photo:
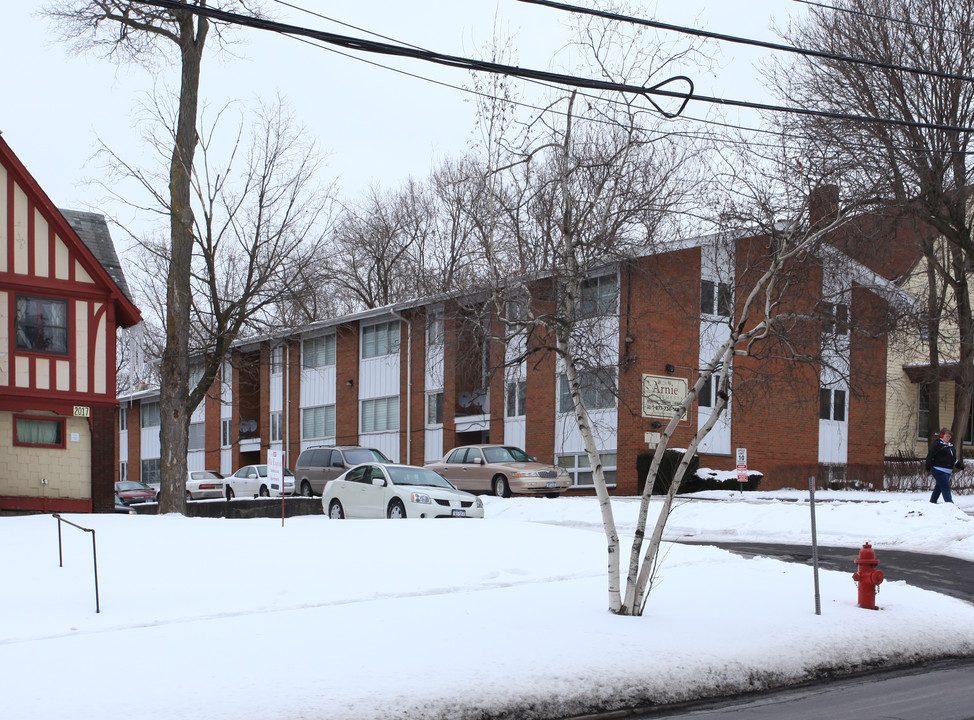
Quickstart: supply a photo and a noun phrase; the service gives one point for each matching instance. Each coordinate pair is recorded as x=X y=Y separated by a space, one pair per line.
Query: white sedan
x=380 y=490
x=203 y=484
x=253 y=480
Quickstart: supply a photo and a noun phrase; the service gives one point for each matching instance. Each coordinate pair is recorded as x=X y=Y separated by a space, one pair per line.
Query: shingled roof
x=92 y=228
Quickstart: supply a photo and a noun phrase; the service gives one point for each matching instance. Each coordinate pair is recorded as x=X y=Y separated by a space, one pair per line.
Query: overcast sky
x=374 y=125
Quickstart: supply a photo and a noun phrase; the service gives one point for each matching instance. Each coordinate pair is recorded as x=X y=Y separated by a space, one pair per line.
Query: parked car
x=132 y=491
x=121 y=507
x=204 y=484
x=378 y=490
x=254 y=480
x=501 y=470
x=316 y=466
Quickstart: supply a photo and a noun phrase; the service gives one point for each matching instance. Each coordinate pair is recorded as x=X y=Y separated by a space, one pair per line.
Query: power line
x=483 y=66
x=876 y=16
x=743 y=41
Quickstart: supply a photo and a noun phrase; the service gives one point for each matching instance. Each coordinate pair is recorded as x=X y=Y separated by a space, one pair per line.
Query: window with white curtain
x=380 y=414
x=381 y=339
x=318 y=422
x=319 y=351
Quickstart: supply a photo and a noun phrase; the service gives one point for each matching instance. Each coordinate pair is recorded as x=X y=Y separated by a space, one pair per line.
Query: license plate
x=550 y=484
x=459 y=513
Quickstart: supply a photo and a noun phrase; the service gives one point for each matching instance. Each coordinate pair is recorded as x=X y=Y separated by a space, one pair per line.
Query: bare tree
x=127 y=31
x=923 y=161
x=259 y=224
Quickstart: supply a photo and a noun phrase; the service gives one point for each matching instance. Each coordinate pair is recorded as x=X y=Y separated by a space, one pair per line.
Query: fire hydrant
x=868 y=577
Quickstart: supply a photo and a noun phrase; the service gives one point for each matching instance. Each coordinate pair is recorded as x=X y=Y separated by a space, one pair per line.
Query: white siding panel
x=387 y=442
x=198 y=416
x=515 y=431
x=42 y=374
x=276 y=395
x=21 y=244
x=3 y=224
x=123 y=443
x=42 y=248
x=196 y=460
x=80 y=274
x=22 y=372
x=318 y=386
x=62 y=259
x=63 y=375
x=4 y=320
x=151 y=447
x=81 y=345
x=833 y=442
x=569 y=440
x=101 y=355
x=379 y=377
x=434 y=445
x=434 y=367
x=226 y=461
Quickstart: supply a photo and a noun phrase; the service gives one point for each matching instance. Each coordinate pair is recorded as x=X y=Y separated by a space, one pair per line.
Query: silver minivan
x=317 y=465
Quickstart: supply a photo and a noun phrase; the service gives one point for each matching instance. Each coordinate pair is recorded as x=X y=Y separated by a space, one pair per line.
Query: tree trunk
x=174 y=398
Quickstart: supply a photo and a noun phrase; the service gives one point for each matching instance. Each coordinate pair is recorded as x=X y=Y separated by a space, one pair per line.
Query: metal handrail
x=94 y=552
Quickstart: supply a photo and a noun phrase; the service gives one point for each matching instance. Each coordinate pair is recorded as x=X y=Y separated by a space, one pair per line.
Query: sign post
x=742 y=466
x=275 y=474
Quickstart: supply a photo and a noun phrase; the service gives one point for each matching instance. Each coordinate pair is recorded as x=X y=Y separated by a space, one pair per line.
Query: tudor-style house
x=62 y=299
x=417 y=378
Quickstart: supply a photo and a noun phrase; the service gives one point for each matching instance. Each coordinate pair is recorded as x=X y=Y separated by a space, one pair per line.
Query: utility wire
x=483 y=66
x=537 y=108
x=876 y=16
x=743 y=41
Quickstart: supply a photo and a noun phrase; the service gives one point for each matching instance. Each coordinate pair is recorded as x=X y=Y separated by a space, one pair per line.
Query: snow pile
x=325 y=619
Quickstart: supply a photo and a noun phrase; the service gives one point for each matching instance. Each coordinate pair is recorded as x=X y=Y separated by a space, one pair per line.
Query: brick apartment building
x=417 y=378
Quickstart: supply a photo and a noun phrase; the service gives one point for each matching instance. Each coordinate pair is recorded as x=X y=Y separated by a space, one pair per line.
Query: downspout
x=286 y=415
x=409 y=385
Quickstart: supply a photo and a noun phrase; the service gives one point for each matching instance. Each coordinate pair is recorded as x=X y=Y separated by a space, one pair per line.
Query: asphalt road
x=946 y=575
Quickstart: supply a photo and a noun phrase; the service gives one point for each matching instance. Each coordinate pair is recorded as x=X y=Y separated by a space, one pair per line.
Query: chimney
x=823 y=204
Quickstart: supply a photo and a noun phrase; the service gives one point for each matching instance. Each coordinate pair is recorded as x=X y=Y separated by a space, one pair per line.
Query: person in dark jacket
x=941 y=461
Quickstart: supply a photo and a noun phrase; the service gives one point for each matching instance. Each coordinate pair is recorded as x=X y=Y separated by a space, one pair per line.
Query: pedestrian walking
x=941 y=461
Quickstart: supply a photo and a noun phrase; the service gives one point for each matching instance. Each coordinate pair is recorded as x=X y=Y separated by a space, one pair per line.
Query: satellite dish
x=465 y=398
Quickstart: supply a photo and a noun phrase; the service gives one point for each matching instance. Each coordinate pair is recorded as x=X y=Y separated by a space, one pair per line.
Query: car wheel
x=306 y=489
x=229 y=493
x=396 y=510
x=501 y=488
x=264 y=492
x=189 y=496
x=336 y=511
x=552 y=495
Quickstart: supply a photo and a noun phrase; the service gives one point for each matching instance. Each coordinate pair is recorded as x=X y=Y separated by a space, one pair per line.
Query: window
x=197 y=436
x=597 y=297
x=226 y=432
x=123 y=471
x=380 y=414
x=33 y=431
x=123 y=419
x=923 y=412
x=706 y=397
x=151 y=415
x=277 y=360
x=832 y=404
x=434 y=327
x=318 y=352
x=835 y=318
x=151 y=471
x=578 y=467
x=434 y=408
x=277 y=426
x=517 y=394
x=381 y=339
x=598 y=391
x=318 y=422
x=41 y=325
x=715 y=298
x=516 y=310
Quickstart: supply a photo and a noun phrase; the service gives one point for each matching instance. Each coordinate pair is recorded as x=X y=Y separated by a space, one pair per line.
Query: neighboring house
x=62 y=299
x=417 y=378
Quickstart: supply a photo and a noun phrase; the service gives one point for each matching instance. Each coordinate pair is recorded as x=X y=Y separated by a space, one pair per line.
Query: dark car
x=122 y=508
x=131 y=492
x=317 y=465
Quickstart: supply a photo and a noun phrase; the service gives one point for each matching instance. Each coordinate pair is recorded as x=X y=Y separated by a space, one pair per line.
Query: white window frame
x=380 y=414
x=277 y=426
x=576 y=464
x=320 y=351
x=380 y=340
x=323 y=419
x=197 y=436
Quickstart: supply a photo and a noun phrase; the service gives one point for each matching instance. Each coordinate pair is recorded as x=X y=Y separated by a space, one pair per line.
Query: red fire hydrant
x=868 y=577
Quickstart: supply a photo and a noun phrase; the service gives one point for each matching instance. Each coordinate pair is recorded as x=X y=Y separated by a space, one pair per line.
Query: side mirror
x=479 y=461
x=379 y=482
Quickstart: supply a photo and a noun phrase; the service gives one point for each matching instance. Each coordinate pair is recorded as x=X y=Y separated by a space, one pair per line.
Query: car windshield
x=505 y=454
x=131 y=485
x=417 y=476
x=356 y=456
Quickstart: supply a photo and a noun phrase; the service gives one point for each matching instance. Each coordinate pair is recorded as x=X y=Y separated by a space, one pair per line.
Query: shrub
x=707 y=479
x=667 y=469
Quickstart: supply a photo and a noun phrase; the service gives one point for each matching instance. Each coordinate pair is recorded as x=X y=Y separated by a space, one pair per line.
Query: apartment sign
x=662 y=394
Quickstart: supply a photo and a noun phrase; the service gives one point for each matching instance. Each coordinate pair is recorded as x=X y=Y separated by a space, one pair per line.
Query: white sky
x=240 y=619
x=373 y=124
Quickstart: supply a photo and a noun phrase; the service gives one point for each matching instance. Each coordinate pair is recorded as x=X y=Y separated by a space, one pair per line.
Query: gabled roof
x=92 y=228
x=87 y=234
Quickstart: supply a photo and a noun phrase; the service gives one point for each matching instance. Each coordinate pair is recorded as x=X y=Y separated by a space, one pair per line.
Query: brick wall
x=103 y=422
x=346 y=396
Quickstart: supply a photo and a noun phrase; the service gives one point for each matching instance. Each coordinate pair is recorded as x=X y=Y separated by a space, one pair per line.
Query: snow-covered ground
x=243 y=619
